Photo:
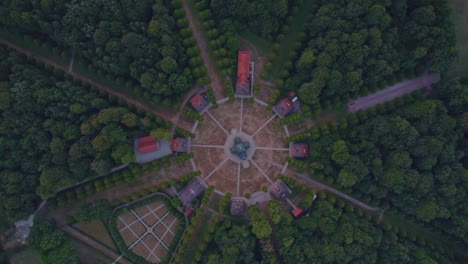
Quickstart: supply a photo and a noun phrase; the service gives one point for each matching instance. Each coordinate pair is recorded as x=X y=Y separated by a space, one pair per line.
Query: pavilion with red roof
x=147 y=144
x=284 y=107
x=179 y=145
x=297 y=212
x=243 y=87
x=200 y=102
x=287 y=106
x=299 y=150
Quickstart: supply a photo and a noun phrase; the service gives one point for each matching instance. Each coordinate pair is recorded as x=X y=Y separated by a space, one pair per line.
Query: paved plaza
x=251 y=122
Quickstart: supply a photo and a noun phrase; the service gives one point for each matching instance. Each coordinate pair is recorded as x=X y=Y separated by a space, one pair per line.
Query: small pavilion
x=179 y=145
x=237 y=206
x=200 y=103
x=299 y=150
x=279 y=190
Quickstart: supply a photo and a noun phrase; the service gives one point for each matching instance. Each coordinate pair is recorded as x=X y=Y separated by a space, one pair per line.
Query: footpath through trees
x=216 y=80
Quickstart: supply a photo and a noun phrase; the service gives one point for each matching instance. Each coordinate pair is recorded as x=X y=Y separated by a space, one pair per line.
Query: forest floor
x=217 y=82
x=460 y=19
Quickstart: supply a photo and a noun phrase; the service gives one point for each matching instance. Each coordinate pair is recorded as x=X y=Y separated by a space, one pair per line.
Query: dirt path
x=168 y=115
x=394 y=91
x=72 y=232
x=320 y=186
x=216 y=80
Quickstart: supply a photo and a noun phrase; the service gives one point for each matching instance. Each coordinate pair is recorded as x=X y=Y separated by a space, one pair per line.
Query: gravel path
x=393 y=92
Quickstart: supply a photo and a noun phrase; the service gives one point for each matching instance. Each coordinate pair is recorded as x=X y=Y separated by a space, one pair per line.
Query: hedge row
x=183 y=157
x=195 y=60
x=193 y=115
x=230 y=89
x=206 y=196
x=274 y=97
x=224 y=44
x=190 y=238
x=211 y=97
x=224 y=204
x=184 y=133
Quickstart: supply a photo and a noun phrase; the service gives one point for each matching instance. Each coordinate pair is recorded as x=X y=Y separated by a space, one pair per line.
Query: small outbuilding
x=200 y=102
x=297 y=212
x=194 y=188
x=180 y=145
x=147 y=144
x=243 y=87
x=237 y=206
x=299 y=150
x=287 y=106
x=279 y=190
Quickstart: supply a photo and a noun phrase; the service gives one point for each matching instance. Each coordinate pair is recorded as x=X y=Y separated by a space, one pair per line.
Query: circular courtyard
x=240 y=147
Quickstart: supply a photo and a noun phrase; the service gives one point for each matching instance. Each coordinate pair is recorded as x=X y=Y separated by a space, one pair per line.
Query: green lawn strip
x=262 y=45
x=459 y=14
x=36 y=46
x=95 y=239
x=25 y=255
x=92 y=249
x=97 y=229
x=203 y=228
x=297 y=25
x=417 y=230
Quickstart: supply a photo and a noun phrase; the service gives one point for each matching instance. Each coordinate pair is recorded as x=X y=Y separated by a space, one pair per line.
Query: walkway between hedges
x=168 y=115
x=216 y=80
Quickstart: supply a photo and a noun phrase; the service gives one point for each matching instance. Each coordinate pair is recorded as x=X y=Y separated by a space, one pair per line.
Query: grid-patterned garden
x=147 y=231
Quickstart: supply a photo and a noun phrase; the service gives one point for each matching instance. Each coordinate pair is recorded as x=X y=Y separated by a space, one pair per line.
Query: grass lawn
x=262 y=45
x=291 y=36
x=25 y=256
x=97 y=230
x=460 y=19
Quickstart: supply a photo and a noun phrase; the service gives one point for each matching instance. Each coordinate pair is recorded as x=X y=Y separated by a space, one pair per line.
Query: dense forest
x=359 y=46
x=328 y=234
x=51 y=244
x=54 y=132
x=263 y=17
x=409 y=159
x=132 y=40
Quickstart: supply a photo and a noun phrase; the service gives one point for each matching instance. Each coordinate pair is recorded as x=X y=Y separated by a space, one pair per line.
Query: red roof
x=196 y=99
x=286 y=103
x=297 y=212
x=147 y=144
x=305 y=150
x=175 y=145
x=188 y=211
x=243 y=68
x=292 y=94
